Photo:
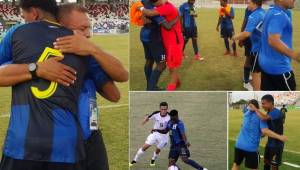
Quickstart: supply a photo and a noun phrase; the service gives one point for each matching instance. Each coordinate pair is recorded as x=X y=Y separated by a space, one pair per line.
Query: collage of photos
x=149 y=85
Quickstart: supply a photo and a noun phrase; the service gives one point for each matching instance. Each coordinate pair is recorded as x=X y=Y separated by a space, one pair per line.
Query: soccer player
x=275 y=121
x=226 y=14
x=161 y=119
x=153 y=46
x=188 y=14
x=247 y=46
x=179 y=143
x=276 y=50
x=284 y=111
x=172 y=39
x=247 y=144
x=253 y=30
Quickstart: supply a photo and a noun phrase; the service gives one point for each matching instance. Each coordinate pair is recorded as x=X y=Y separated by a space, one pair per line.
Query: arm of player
x=274 y=135
x=241 y=36
x=185 y=140
x=80 y=45
x=261 y=115
x=218 y=24
x=145 y=120
x=162 y=131
x=275 y=42
x=50 y=69
x=169 y=25
x=149 y=12
x=110 y=92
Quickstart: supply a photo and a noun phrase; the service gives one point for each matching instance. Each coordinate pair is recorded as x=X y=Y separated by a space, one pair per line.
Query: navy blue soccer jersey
x=276 y=125
x=176 y=130
x=44 y=124
x=187 y=13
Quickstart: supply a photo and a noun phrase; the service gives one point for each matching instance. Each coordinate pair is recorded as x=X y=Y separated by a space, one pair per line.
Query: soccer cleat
x=227 y=53
x=198 y=57
x=248 y=86
x=132 y=163
x=171 y=87
x=152 y=163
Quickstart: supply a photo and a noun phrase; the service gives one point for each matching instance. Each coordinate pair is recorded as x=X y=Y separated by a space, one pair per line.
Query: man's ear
x=35 y=13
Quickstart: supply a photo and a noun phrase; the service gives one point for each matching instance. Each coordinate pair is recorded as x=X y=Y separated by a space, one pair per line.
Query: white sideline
x=287 y=163
x=101 y=107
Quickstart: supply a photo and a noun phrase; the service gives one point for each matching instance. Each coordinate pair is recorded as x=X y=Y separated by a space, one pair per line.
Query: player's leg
x=233 y=44
x=155 y=156
x=163 y=141
x=226 y=41
x=158 y=51
x=185 y=154
x=173 y=155
x=174 y=61
x=276 y=155
x=186 y=36
x=255 y=70
x=96 y=152
x=286 y=82
x=195 y=44
x=239 y=156
x=247 y=65
x=267 y=159
x=149 y=62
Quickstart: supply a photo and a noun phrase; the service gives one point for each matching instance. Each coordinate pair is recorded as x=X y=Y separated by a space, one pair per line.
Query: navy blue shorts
x=178 y=150
x=247 y=46
x=155 y=51
x=190 y=33
x=227 y=32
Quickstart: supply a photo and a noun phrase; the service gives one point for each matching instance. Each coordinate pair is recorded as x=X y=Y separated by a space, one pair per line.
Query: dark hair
x=163 y=104
x=173 y=113
x=65 y=9
x=45 y=5
x=254 y=102
x=268 y=98
x=225 y=1
x=257 y=2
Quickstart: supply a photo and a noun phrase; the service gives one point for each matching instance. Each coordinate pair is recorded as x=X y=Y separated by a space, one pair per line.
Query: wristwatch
x=32 y=67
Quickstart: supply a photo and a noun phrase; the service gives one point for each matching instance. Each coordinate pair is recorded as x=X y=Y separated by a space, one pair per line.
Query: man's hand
x=146 y=20
x=77 y=44
x=296 y=56
x=53 y=70
x=217 y=29
x=252 y=107
x=283 y=138
x=188 y=144
x=241 y=43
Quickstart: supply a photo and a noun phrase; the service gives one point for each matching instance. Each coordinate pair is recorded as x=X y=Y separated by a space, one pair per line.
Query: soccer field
x=204 y=115
x=114 y=116
x=292 y=146
x=217 y=72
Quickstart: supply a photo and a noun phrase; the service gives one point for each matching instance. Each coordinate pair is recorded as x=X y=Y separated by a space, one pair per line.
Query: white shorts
x=157 y=139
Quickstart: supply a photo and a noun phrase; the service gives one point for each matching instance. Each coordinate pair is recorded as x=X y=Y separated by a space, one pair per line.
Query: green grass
x=291 y=131
x=217 y=72
x=114 y=121
x=204 y=115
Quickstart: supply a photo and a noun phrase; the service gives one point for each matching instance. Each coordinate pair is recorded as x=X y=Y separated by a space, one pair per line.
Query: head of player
x=267 y=102
x=253 y=102
x=174 y=116
x=287 y=4
x=191 y=2
x=253 y=4
x=163 y=107
x=33 y=10
x=223 y=3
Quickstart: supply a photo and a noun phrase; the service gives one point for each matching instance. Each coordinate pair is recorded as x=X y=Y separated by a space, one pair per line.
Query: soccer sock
x=194 y=164
x=154 y=79
x=234 y=46
x=154 y=156
x=148 y=71
x=226 y=44
x=139 y=153
x=267 y=167
x=195 y=46
x=247 y=71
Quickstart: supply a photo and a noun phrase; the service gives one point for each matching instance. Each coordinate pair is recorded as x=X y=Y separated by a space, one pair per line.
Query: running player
x=161 y=119
x=276 y=50
x=247 y=46
x=253 y=30
x=179 y=143
x=275 y=121
x=226 y=15
x=172 y=39
x=153 y=46
x=247 y=144
x=187 y=15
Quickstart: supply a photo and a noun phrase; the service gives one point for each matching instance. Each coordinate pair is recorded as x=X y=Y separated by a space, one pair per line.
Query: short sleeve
x=6 y=46
x=277 y=24
x=263 y=124
x=251 y=24
x=96 y=73
x=275 y=114
x=181 y=128
x=152 y=116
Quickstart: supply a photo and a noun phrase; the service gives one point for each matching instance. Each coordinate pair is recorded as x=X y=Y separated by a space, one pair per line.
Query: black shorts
x=96 y=156
x=155 y=51
x=255 y=68
x=273 y=155
x=178 y=150
x=251 y=158
x=8 y=163
x=190 y=33
x=281 y=82
x=247 y=47
x=227 y=32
